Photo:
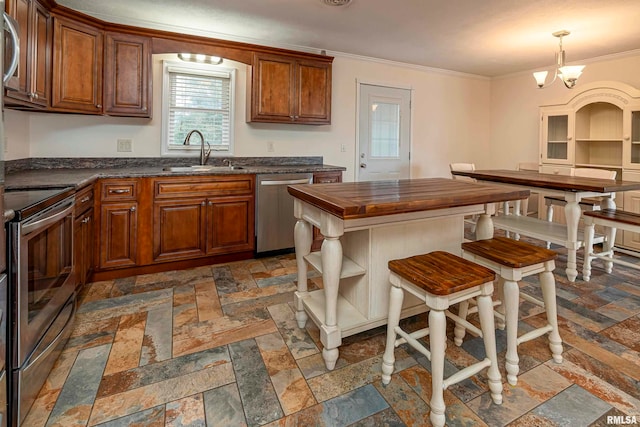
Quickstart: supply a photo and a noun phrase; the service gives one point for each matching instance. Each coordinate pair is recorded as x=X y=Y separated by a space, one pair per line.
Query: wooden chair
x=514 y=260
x=442 y=279
x=465 y=167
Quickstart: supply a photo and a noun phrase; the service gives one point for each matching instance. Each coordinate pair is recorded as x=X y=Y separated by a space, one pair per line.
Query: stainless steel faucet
x=204 y=156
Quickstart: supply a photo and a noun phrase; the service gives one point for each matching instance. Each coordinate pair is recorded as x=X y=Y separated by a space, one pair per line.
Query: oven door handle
x=30 y=227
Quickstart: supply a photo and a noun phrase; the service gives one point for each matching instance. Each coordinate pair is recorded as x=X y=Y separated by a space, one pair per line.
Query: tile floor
x=219 y=346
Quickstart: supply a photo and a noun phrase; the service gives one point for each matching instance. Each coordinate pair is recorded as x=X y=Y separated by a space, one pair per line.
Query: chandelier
x=568 y=73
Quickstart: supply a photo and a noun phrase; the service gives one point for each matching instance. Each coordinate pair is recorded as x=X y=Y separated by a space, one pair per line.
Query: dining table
x=572 y=189
x=367 y=224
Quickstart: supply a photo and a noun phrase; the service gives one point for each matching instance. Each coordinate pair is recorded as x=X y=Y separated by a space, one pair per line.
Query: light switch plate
x=125 y=145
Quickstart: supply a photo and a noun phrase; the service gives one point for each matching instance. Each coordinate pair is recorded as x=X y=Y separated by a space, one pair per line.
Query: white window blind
x=200 y=99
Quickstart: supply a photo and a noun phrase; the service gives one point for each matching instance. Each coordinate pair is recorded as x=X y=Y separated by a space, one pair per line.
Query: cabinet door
x=313 y=92
x=272 y=89
x=632 y=140
x=118 y=234
x=179 y=229
x=230 y=225
x=631 y=204
x=83 y=242
x=31 y=82
x=77 y=67
x=557 y=145
x=127 y=75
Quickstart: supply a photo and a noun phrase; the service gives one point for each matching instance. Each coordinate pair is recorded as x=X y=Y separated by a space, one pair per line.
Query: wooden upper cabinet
x=30 y=84
x=127 y=75
x=77 y=67
x=286 y=89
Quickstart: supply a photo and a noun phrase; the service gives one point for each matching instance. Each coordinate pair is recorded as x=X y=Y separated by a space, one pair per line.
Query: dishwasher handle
x=287 y=182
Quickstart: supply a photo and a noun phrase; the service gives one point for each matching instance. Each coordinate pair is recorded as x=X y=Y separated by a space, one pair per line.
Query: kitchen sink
x=200 y=168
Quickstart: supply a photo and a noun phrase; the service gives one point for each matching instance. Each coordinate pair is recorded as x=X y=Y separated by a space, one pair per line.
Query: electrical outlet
x=271 y=146
x=125 y=145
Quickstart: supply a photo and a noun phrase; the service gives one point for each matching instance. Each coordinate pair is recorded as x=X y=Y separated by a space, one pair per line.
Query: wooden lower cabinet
x=118 y=234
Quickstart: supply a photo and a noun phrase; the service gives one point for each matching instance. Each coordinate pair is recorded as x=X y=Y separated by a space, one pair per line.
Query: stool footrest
x=465 y=373
x=606 y=257
x=412 y=341
x=532 y=300
x=464 y=322
x=534 y=334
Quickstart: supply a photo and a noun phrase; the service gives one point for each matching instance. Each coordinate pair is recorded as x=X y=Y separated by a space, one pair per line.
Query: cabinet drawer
x=84 y=200
x=556 y=169
x=327 y=177
x=203 y=187
x=119 y=190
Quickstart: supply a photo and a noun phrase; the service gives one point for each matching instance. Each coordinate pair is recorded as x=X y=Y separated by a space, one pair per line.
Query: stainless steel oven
x=41 y=291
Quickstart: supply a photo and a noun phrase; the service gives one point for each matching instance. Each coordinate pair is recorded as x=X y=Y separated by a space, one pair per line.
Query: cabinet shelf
x=556 y=142
x=599 y=165
x=599 y=139
x=349 y=267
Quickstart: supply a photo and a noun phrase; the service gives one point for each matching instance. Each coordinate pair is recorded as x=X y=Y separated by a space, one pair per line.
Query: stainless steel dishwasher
x=274 y=211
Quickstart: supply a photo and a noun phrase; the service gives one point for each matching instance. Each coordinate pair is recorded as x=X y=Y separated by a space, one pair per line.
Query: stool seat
x=509 y=253
x=441 y=273
x=514 y=260
x=441 y=279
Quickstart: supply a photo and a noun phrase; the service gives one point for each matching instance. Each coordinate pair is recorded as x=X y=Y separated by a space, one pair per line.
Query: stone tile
x=173 y=369
x=406 y=403
x=119 y=306
x=272 y=295
x=573 y=406
x=621 y=309
x=297 y=340
x=596 y=386
x=152 y=417
x=217 y=332
x=142 y=398
x=387 y=418
x=74 y=404
x=207 y=300
x=353 y=406
x=225 y=283
x=127 y=343
x=157 y=340
x=223 y=407
x=96 y=291
x=250 y=295
x=289 y=384
x=258 y=396
x=186 y=412
x=627 y=333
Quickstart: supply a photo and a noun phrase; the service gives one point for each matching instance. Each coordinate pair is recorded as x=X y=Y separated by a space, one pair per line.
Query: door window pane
x=385 y=130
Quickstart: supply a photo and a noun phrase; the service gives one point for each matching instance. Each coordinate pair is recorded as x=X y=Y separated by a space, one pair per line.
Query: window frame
x=207 y=70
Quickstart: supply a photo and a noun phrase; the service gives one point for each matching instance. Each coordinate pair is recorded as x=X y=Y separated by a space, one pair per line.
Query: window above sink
x=197 y=97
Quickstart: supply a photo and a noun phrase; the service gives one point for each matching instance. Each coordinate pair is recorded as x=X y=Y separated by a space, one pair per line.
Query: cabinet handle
x=133 y=209
x=85 y=199
x=86 y=220
x=119 y=191
x=325 y=181
x=35 y=95
x=98 y=105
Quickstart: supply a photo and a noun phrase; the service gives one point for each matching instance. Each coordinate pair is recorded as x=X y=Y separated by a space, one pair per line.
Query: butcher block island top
x=351 y=200
x=367 y=224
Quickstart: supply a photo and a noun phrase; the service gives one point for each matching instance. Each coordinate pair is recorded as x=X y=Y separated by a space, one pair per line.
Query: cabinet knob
x=210 y=203
x=133 y=208
x=98 y=105
x=203 y=203
x=626 y=137
x=36 y=96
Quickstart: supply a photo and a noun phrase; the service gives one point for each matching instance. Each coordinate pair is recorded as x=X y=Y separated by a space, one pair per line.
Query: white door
x=384 y=128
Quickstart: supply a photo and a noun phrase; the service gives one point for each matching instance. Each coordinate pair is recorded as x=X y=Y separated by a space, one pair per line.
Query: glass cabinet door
x=556 y=139
x=635 y=138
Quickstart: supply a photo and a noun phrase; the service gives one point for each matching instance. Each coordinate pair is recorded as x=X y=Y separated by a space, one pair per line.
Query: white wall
x=450 y=122
x=515 y=118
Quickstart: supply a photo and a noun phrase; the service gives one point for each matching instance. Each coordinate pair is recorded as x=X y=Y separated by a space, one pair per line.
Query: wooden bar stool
x=514 y=260
x=442 y=279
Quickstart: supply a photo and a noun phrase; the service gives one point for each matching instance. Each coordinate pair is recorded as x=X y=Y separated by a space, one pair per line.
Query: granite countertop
x=70 y=176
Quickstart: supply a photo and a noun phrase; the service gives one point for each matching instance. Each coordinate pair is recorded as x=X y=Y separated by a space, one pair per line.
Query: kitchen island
x=366 y=224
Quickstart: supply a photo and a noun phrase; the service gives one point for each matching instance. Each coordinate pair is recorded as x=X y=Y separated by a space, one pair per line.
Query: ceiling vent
x=337 y=2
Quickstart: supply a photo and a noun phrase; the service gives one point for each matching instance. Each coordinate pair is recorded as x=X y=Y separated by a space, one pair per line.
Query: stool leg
x=485 y=311
x=500 y=323
x=548 y=285
x=588 y=249
x=459 y=331
x=511 y=302
x=609 y=243
x=437 y=343
x=395 y=306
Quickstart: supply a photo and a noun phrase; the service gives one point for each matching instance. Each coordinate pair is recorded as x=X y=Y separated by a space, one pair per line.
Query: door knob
x=363 y=165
